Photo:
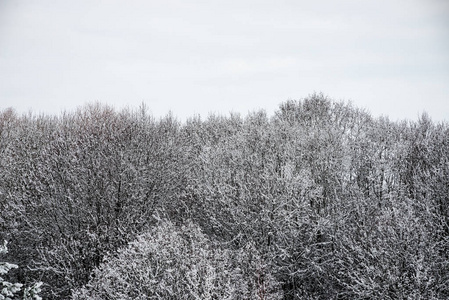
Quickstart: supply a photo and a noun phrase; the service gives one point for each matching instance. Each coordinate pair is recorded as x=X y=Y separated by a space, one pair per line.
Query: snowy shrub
x=172 y=262
x=8 y=289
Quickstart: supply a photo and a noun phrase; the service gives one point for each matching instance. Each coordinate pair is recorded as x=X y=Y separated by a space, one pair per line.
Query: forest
x=321 y=200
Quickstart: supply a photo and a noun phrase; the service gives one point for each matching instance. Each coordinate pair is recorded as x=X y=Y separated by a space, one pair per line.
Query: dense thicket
x=320 y=201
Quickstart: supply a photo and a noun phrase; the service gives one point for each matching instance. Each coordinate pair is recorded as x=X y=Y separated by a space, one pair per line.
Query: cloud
x=221 y=54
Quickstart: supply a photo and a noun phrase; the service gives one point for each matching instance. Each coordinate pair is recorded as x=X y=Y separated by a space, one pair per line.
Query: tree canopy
x=319 y=201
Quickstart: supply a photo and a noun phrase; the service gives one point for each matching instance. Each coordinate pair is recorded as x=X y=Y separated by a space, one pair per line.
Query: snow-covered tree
x=180 y=262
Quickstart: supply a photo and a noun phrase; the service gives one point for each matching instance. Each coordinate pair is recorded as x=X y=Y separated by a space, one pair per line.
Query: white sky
x=195 y=57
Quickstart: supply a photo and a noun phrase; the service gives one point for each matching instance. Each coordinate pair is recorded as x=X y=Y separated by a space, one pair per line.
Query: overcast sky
x=195 y=57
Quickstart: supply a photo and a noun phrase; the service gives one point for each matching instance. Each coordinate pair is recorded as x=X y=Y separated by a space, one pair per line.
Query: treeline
x=319 y=201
